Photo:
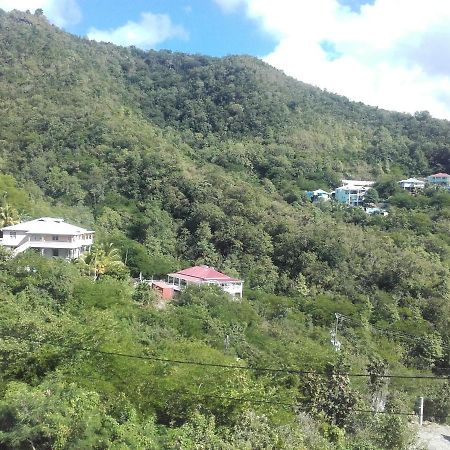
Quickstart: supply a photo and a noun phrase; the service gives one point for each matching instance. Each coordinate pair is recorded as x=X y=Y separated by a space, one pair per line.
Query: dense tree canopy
x=181 y=159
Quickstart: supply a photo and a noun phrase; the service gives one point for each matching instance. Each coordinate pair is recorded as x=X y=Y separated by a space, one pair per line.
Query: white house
x=318 y=195
x=205 y=275
x=49 y=237
x=357 y=183
x=411 y=184
x=352 y=192
x=439 y=179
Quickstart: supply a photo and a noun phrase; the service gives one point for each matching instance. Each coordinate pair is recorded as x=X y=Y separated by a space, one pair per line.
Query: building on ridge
x=411 y=184
x=48 y=236
x=439 y=179
x=352 y=192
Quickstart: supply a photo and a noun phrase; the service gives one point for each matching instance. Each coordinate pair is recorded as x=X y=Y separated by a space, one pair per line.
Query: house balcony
x=232 y=288
x=60 y=244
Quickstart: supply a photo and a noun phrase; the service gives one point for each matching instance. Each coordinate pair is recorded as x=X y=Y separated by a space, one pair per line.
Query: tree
x=371 y=197
x=144 y=294
x=331 y=396
x=377 y=368
x=387 y=187
x=61 y=415
x=103 y=259
x=437 y=403
x=8 y=215
x=198 y=433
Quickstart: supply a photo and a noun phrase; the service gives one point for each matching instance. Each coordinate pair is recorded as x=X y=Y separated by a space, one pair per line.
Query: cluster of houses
x=53 y=237
x=353 y=192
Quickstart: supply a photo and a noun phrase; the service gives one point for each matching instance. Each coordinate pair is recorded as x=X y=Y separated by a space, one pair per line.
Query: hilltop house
x=49 y=237
x=205 y=275
x=352 y=192
x=411 y=184
x=439 y=179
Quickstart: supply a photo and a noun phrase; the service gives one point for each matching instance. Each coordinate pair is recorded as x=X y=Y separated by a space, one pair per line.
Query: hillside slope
x=212 y=98
x=200 y=158
x=184 y=159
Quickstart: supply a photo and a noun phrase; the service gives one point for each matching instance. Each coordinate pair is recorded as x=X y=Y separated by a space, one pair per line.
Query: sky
x=394 y=54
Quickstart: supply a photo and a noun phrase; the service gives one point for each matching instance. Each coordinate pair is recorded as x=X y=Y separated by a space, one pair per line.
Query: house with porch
x=439 y=179
x=412 y=184
x=48 y=236
x=205 y=275
x=352 y=192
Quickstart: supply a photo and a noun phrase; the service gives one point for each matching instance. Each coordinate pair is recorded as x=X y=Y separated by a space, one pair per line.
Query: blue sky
x=208 y=29
x=388 y=53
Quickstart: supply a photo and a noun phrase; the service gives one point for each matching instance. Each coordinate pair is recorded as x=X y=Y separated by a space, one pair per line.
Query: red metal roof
x=205 y=273
x=440 y=174
x=185 y=277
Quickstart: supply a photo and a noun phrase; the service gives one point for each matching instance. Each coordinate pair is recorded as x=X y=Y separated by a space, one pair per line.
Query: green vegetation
x=65 y=384
x=176 y=160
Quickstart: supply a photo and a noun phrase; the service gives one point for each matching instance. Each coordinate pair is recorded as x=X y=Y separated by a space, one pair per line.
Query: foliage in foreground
x=65 y=384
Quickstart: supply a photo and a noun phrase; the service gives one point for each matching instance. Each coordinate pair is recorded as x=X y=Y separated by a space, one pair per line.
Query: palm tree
x=8 y=215
x=101 y=260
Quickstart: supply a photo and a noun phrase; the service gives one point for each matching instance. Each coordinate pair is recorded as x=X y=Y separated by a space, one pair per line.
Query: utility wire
x=271 y=401
x=399 y=334
x=402 y=334
x=218 y=365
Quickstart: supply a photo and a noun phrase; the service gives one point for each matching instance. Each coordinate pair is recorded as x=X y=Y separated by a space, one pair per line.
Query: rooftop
x=47 y=225
x=440 y=174
x=357 y=183
x=204 y=273
x=412 y=180
x=352 y=187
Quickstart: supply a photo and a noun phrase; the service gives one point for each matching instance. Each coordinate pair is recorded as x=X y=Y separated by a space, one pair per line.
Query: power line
x=218 y=365
x=298 y=406
x=400 y=334
x=381 y=330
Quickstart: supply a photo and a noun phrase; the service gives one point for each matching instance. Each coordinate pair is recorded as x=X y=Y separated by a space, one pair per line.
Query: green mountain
x=184 y=159
x=206 y=160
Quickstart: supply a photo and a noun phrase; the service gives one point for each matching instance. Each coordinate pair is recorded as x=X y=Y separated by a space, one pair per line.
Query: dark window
x=55 y=238
x=55 y=252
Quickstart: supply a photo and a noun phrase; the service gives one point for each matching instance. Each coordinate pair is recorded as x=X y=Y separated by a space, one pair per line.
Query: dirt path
x=434 y=437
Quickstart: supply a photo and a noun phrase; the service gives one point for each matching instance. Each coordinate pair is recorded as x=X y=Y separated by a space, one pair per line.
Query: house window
x=13 y=234
x=55 y=252
x=55 y=238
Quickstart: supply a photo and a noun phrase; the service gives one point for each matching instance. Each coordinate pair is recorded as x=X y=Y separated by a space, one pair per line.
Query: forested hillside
x=181 y=159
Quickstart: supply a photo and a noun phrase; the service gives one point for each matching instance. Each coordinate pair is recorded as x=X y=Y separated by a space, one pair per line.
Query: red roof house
x=205 y=275
x=440 y=179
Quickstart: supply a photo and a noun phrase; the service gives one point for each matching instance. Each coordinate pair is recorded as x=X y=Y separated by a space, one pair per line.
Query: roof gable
x=205 y=273
x=47 y=225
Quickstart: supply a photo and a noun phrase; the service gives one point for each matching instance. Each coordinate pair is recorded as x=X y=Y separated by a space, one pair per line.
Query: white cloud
x=229 y=5
x=393 y=53
x=152 y=29
x=59 y=12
